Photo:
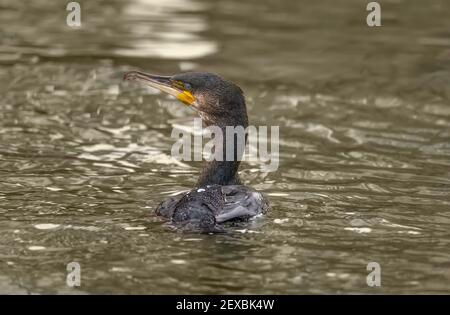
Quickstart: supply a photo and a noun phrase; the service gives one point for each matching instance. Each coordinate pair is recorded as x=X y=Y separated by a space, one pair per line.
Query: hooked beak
x=162 y=83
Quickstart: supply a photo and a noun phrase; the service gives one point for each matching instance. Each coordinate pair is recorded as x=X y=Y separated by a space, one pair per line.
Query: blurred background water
x=364 y=171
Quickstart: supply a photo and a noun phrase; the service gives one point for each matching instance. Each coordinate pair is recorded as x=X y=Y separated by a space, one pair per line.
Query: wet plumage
x=219 y=196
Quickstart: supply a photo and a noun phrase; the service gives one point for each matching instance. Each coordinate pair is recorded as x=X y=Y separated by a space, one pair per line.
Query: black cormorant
x=219 y=196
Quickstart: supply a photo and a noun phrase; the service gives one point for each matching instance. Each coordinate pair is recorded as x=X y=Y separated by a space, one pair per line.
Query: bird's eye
x=187 y=86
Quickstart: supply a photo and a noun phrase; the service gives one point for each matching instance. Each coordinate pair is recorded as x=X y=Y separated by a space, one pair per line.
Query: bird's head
x=217 y=101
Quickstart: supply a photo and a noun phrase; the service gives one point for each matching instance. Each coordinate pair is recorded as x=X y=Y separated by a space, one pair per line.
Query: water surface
x=364 y=171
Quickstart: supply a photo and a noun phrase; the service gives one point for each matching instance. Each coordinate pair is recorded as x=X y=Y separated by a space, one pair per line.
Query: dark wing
x=195 y=211
x=241 y=203
x=168 y=206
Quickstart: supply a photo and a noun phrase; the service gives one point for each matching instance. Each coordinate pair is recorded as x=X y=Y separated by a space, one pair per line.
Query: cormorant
x=219 y=196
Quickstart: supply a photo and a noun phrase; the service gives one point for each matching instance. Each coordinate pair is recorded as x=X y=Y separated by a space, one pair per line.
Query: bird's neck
x=225 y=172
x=219 y=173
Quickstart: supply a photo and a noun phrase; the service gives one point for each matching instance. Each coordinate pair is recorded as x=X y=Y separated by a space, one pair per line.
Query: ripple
x=178 y=36
x=36 y=248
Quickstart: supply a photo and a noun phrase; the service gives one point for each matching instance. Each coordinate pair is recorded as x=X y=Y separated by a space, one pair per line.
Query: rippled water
x=364 y=120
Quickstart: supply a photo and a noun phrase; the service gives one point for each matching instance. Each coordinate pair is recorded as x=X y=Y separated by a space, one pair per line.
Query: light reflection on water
x=171 y=35
x=364 y=149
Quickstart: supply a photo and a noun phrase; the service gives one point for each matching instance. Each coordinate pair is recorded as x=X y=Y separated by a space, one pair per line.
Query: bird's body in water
x=219 y=196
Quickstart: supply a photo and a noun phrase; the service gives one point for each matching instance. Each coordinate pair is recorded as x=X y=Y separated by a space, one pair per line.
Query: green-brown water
x=364 y=120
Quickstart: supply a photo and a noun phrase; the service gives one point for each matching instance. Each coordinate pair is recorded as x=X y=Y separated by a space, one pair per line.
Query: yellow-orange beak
x=162 y=83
